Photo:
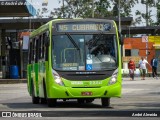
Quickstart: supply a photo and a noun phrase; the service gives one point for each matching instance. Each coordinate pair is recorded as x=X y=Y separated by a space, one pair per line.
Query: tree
x=102 y=8
x=125 y=7
x=41 y=12
x=158 y=12
x=147 y=16
x=73 y=9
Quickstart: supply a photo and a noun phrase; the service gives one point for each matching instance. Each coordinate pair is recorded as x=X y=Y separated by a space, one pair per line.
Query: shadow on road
x=60 y=104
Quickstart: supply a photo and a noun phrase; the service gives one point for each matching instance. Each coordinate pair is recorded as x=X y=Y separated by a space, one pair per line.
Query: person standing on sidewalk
x=143 y=68
x=154 y=64
x=131 y=67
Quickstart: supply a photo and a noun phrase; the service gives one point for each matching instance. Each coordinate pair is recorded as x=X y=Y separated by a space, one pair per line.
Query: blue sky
x=55 y=3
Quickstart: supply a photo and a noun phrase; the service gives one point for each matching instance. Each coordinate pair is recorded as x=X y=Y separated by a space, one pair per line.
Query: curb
x=12 y=81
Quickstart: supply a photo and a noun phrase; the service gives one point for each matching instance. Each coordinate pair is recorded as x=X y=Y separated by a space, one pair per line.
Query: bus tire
x=105 y=102
x=80 y=101
x=89 y=100
x=44 y=100
x=35 y=100
x=51 y=102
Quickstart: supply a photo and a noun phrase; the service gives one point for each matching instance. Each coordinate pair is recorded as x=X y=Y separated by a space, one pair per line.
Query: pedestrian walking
x=132 y=68
x=143 y=68
x=154 y=64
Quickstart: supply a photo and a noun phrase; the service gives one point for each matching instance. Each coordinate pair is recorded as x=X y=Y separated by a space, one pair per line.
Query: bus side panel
x=41 y=78
x=29 y=79
x=36 y=79
x=48 y=79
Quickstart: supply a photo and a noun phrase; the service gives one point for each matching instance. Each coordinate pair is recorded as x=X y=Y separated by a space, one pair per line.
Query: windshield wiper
x=72 y=41
x=92 y=42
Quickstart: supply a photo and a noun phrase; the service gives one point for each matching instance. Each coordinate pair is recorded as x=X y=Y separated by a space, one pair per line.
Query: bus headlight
x=57 y=78
x=113 y=78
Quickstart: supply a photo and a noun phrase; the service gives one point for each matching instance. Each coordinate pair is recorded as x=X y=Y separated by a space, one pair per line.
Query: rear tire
x=51 y=102
x=35 y=100
x=105 y=102
x=43 y=101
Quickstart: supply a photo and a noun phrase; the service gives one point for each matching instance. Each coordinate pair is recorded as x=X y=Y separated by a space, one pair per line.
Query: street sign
x=144 y=38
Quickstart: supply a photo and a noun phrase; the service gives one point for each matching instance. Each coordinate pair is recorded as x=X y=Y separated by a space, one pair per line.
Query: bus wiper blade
x=72 y=41
x=92 y=42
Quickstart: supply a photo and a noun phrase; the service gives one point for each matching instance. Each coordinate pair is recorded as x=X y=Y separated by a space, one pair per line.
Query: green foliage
x=101 y=8
x=158 y=13
x=147 y=16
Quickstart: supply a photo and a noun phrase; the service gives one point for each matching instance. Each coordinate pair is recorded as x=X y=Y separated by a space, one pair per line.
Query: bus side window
x=36 y=51
x=40 y=46
x=43 y=46
x=30 y=52
x=46 y=39
x=33 y=51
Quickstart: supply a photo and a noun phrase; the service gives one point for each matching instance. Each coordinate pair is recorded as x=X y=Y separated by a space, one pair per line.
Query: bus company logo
x=20 y=114
x=6 y=114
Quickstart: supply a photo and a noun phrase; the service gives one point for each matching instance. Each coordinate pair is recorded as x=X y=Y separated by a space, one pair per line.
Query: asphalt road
x=138 y=95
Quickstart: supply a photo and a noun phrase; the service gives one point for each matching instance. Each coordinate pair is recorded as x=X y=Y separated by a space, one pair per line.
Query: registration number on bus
x=86 y=93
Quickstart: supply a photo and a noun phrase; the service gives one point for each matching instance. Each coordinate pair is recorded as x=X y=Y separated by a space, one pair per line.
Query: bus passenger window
x=33 y=51
x=39 y=47
x=30 y=52
x=43 y=46
x=36 y=50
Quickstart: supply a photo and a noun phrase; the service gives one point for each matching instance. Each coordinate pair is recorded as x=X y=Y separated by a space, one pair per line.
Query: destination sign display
x=83 y=27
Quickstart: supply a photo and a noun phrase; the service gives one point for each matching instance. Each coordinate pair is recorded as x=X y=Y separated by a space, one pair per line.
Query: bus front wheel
x=105 y=102
x=51 y=102
x=81 y=101
x=89 y=100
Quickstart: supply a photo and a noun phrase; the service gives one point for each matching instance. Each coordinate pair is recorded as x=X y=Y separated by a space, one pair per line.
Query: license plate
x=86 y=93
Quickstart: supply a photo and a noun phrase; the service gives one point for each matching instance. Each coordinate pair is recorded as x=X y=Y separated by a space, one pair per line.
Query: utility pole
x=147 y=25
x=119 y=17
x=92 y=8
x=147 y=13
x=63 y=8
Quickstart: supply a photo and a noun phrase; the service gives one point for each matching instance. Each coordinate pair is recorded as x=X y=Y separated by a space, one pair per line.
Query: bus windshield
x=83 y=52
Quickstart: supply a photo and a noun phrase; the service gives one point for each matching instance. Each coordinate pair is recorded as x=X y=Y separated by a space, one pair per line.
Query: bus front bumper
x=69 y=92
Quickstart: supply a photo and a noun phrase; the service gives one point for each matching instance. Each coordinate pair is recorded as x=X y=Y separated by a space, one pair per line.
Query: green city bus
x=74 y=59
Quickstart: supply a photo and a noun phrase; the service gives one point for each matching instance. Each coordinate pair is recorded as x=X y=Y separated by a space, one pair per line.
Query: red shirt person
x=131 y=67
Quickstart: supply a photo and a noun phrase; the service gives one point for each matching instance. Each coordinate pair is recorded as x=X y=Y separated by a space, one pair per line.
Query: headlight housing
x=57 y=78
x=113 y=78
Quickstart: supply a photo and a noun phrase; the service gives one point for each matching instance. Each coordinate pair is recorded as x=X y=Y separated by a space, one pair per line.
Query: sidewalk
x=139 y=78
x=12 y=81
